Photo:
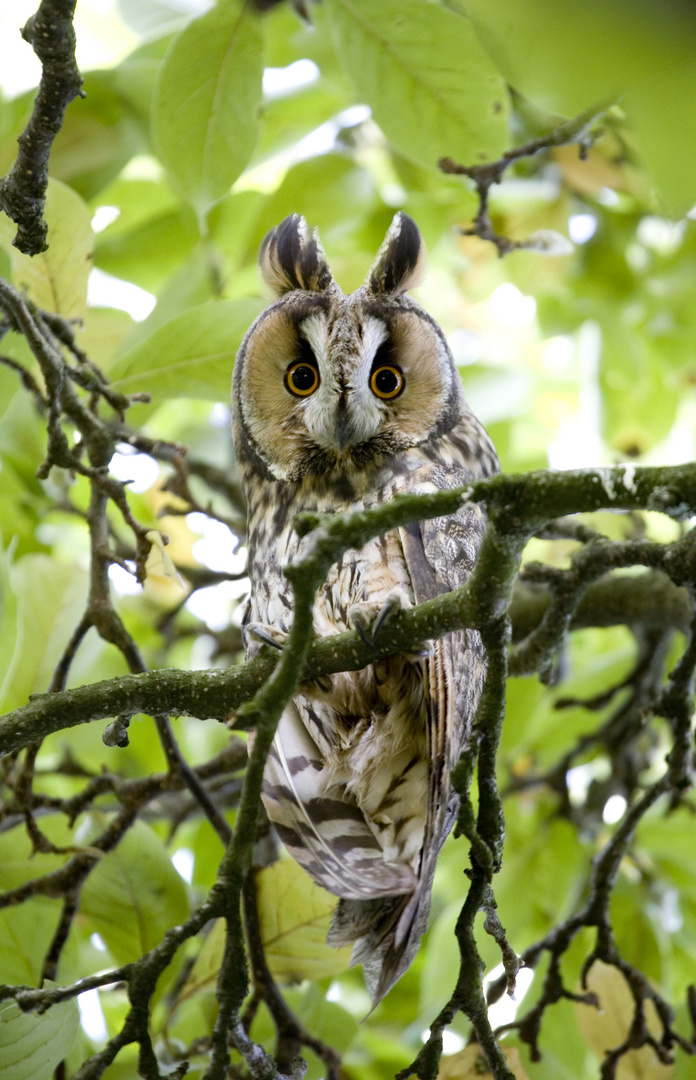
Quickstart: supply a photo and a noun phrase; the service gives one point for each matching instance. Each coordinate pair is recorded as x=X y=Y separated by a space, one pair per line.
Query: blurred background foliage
x=202 y=127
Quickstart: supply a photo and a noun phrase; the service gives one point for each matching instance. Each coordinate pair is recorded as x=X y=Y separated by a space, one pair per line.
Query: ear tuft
x=400 y=259
x=291 y=257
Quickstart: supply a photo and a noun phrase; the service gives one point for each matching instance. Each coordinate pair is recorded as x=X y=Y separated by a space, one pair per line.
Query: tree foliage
x=134 y=867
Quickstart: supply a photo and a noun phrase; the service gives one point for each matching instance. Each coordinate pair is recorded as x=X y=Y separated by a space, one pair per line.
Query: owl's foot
x=369 y=619
x=267 y=635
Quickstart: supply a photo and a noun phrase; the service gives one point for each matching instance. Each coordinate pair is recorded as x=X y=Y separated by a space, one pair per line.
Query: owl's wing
x=440 y=555
x=326 y=833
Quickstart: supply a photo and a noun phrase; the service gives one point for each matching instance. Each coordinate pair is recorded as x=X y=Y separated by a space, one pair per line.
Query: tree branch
x=524 y=503
x=577 y=130
x=23 y=191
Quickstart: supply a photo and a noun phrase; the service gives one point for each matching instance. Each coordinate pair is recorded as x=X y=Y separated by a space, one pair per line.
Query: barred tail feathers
x=386 y=933
x=325 y=832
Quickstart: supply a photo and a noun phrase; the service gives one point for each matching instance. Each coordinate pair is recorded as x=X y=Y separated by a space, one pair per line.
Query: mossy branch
x=522 y=503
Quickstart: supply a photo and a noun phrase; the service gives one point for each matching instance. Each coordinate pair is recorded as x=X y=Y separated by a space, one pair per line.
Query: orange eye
x=302 y=379
x=386 y=382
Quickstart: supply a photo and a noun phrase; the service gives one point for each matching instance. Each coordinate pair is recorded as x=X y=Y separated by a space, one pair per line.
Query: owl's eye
x=386 y=382
x=302 y=379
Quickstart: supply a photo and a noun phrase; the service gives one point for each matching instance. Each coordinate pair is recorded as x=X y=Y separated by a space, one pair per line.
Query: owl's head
x=326 y=383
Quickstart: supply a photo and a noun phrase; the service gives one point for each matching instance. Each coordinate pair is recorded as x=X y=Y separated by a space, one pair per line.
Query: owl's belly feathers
x=372 y=732
x=347 y=777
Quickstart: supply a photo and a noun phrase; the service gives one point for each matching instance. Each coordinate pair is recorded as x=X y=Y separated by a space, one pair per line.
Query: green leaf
x=640 y=394
x=26 y=932
x=578 y=54
x=97 y=139
x=289 y=117
x=9 y=615
x=326 y=190
x=191 y=355
x=167 y=237
x=147 y=17
x=134 y=78
x=548 y=853
x=139 y=200
x=134 y=895
x=56 y=280
x=202 y=977
x=14 y=115
x=32 y=1045
x=431 y=86
x=19 y=864
x=295 y=916
x=325 y=1019
x=51 y=597
x=206 y=102
x=103 y=332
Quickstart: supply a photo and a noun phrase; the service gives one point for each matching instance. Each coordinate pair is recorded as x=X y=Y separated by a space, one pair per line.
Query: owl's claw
x=323 y=683
x=361 y=624
x=267 y=635
x=369 y=628
x=417 y=652
x=368 y=624
x=391 y=605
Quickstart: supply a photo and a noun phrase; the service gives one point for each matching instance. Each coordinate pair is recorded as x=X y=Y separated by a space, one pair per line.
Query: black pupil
x=303 y=377
x=386 y=381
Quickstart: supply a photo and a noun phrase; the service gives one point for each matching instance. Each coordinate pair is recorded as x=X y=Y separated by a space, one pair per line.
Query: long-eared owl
x=339 y=403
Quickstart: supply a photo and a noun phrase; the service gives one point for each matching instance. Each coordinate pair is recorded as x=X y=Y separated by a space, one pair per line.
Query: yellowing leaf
x=56 y=280
x=159 y=563
x=607 y=1027
x=203 y=975
x=470 y=1064
x=295 y=916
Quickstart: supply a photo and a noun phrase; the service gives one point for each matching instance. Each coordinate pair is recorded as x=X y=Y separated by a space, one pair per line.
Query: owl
x=341 y=402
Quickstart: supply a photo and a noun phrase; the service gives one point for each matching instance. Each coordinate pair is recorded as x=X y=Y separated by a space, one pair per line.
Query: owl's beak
x=344 y=431
x=352 y=422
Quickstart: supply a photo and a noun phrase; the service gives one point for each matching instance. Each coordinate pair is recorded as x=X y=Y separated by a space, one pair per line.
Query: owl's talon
x=369 y=621
x=323 y=683
x=361 y=625
x=417 y=652
x=380 y=673
x=391 y=605
x=267 y=635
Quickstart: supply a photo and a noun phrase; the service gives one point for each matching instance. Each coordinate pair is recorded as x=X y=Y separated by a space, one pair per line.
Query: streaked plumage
x=340 y=402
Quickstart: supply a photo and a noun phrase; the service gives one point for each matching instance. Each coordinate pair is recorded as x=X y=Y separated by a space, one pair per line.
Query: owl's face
x=326 y=383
